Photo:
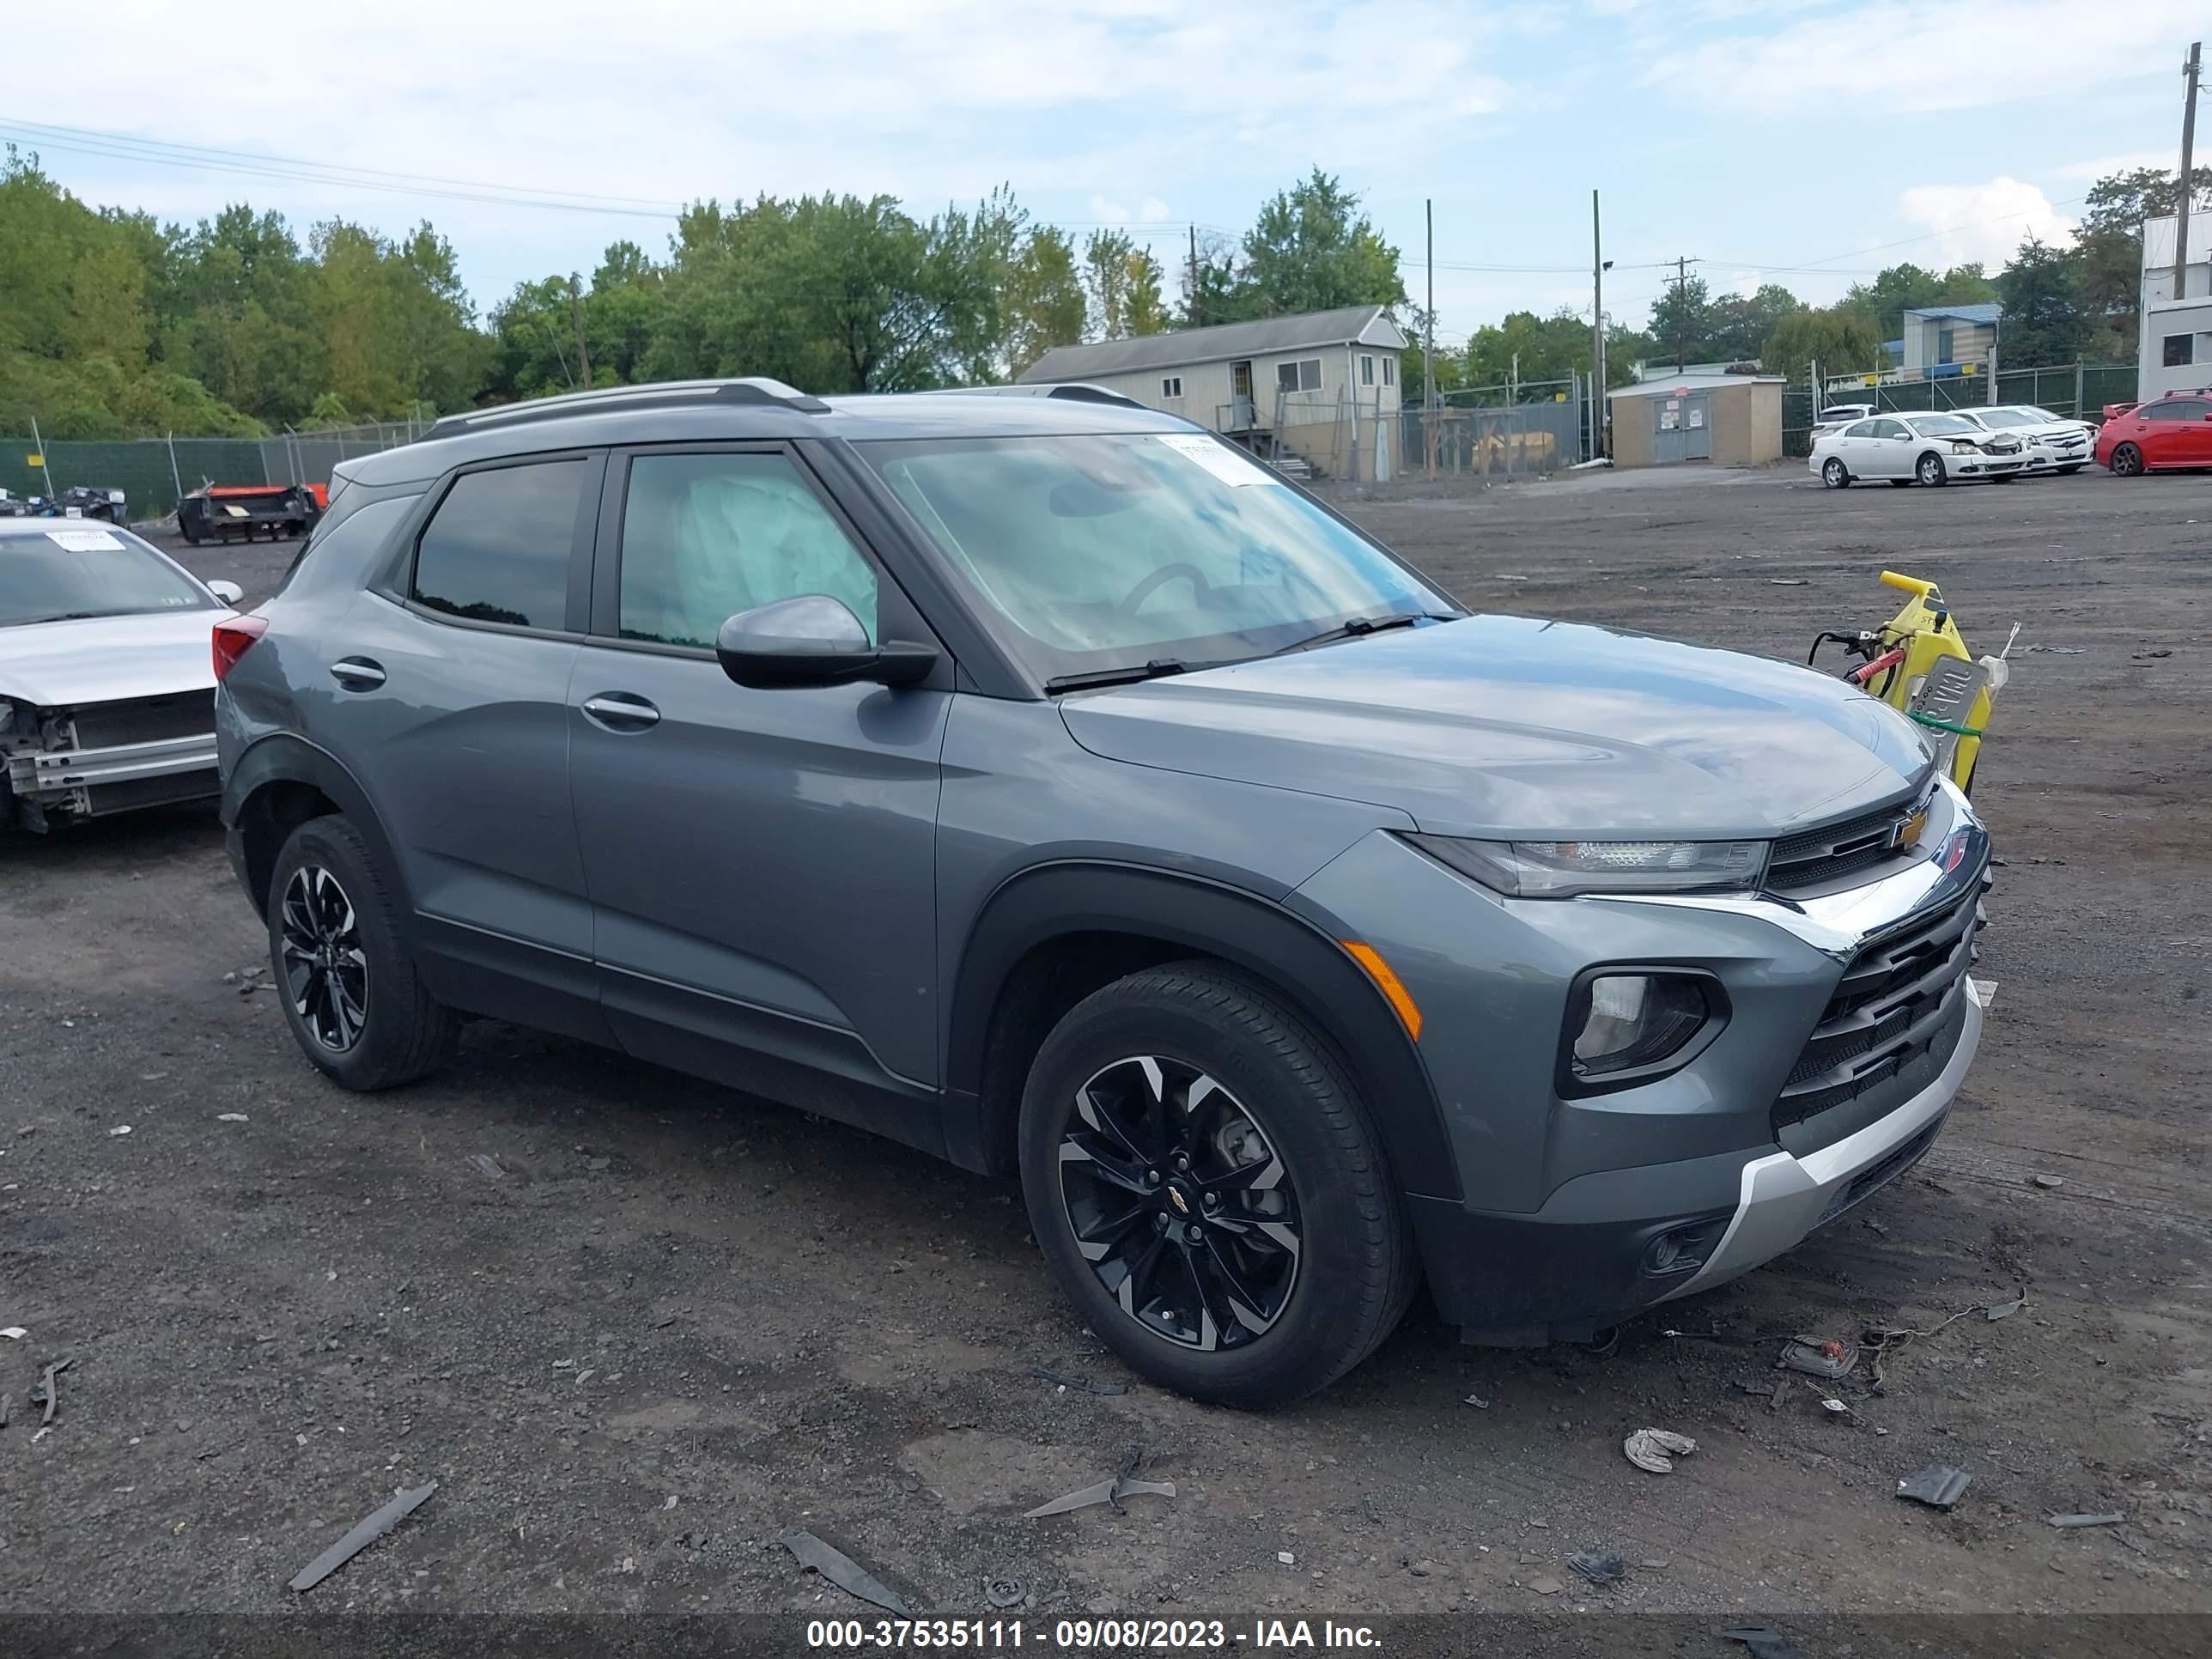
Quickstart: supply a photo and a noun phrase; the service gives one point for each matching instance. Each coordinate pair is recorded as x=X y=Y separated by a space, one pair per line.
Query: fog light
x=1630 y=1021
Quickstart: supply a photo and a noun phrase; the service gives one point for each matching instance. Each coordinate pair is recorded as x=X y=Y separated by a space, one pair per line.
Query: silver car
x=106 y=682
x=2054 y=443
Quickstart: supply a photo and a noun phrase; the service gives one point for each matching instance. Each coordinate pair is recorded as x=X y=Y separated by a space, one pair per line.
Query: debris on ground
x=2047 y=1182
x=1656 y=1449
x=15 y=1332
x=1087 y=1384
x=1477 y=1402
x=120 y=1129
x=843 y=1571
x=1819 y=1356
x=1547 y=1585
x=1765 y=1642
x=1286 y=1557
x=1106 y=1492
x=47 y=1392
x=1938 y=1485
x=365 y=1533
x=2055 y=650
x=1881 y=1343
x=1599 y=1566
x=1004 y=1592
x=230 y=1117
x=487 y=1166
x=1997 y=1310
x=2112 y=1520
x=1787 y=581
x=1834 y=1406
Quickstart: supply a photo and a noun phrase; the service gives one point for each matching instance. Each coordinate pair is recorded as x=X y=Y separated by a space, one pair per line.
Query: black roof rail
x=756 y=389
x=1076 y=391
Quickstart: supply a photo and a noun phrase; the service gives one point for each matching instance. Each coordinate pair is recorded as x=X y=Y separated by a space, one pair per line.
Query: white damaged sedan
x=1903 y=449
x=107 y=674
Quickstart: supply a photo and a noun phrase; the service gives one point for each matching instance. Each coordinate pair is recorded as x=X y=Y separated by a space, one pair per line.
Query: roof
x=1668 y=388
x=692 y=412
x=1984 y=314
x=1267 y=337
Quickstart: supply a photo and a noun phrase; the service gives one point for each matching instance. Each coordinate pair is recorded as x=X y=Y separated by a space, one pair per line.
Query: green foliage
x=1311 y=249
x=2043 y=318
x=1884 y=301
x=1123 y=281
x=1840 y=339
x=1047 y=303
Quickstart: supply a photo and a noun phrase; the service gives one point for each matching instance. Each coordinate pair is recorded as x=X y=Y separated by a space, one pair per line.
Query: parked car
x=1835 y=416
x=91 y=501
x=1050 y=785
x=219 y=512
x=2167 y=434
x=106 y=686
x=2055 y=444
x=1903 y=449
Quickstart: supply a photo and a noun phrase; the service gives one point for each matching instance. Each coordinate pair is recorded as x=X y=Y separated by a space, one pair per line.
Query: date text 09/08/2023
x=1086 y=1635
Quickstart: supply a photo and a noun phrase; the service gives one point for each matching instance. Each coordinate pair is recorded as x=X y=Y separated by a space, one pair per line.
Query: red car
x=2169 y=432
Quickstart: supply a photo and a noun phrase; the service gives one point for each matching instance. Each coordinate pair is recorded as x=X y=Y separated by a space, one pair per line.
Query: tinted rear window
x=497 y=549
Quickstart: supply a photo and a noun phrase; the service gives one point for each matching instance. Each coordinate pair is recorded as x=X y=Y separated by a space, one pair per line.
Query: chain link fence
x=156 y=473
x=2071 y=391
x=1522 y=430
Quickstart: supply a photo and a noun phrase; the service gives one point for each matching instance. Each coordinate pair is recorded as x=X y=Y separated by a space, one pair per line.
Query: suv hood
x=108 y=659
x=1508 y=726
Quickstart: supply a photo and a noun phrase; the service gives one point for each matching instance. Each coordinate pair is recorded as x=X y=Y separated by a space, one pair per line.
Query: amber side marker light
x=1368 y=959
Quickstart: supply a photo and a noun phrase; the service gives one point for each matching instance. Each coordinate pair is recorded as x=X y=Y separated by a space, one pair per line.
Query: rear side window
x=497 y=549
x=2176 y=408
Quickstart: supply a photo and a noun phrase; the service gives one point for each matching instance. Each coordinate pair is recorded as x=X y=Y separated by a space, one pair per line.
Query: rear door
x=2181 y=433
x=450 y=704
x=761 y=863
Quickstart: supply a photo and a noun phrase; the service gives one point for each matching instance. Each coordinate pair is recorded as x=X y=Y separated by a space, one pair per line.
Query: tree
x=1739 y=327
x=1047 y=304
x=1123 y=281
x=1885 y=300
x=1682 y=321
x=1840 y=340
x=2108 y=252
x=1208 y=284
x=2043 y=316
x=1311 y=249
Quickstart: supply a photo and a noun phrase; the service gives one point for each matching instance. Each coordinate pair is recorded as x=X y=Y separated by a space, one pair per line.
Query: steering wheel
x=1158 y=579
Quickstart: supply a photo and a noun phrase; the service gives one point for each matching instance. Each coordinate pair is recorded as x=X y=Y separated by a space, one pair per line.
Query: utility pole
x=2189 y=71
x=1682 y=264
x=1429 y=334
x=576 y=311
x=1597 y=335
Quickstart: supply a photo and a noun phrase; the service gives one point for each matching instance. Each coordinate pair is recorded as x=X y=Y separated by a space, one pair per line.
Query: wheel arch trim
x=282 y=757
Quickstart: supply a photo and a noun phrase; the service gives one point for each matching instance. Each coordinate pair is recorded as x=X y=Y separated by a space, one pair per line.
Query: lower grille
x=1872 y=1180
x=1895 y=998
x=144 y=720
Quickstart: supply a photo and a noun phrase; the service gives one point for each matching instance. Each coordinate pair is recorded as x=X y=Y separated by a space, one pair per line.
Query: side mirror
x=813 y=640
x=228 y=592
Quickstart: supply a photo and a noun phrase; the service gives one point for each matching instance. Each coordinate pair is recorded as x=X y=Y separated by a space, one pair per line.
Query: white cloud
x=1983 y=223
x=1149 y=212
x=1900 y=56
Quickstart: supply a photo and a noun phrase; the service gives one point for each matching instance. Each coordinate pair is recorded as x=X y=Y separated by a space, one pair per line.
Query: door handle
x=621 y=711
x=357 y=673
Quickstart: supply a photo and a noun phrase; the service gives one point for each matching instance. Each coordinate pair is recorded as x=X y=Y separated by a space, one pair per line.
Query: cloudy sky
x=1804 y=142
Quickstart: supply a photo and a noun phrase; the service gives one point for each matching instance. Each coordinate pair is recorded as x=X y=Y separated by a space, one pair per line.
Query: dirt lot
x=678 y=1321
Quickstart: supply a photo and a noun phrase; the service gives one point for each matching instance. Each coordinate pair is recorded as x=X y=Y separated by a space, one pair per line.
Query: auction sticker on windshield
x=1226 y=463
x=85 y=541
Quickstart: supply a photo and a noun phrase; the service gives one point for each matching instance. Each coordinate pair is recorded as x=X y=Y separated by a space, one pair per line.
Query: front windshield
x=81 y=570
x=1114 y=550
x=2004 y=417
x=1941 y=426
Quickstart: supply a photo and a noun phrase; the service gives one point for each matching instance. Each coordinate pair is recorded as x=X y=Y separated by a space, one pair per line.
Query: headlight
x=1623 y=1023
x=1962 y=445
x=1561 y=869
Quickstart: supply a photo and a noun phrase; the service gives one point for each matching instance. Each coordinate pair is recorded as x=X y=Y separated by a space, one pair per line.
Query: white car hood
x=108 y=659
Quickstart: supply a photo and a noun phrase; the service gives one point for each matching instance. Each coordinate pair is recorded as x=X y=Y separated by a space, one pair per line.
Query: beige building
x=1731 y=420
x=1322 y=385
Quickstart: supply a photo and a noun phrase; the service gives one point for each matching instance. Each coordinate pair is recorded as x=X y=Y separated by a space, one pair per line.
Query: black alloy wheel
x=1179 y=1203
x=2127 y=462
x=325 y=969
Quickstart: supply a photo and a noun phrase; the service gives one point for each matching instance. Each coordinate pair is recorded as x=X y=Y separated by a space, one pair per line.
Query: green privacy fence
x=141 y=470
x=152 y=472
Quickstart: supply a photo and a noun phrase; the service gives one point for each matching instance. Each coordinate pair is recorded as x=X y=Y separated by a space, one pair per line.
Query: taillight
x=233 y=638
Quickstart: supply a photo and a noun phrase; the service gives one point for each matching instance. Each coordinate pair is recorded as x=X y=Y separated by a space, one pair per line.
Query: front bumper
x=1570 y=1213
x=90 y=781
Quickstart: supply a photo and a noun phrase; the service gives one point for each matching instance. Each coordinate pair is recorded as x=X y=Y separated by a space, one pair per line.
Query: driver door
x=1886 y=451
x=761 y=864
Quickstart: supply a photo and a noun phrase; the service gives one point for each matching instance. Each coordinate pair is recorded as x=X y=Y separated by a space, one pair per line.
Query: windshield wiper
x=1358 y=627
x=1127 y=676
x=68 y=615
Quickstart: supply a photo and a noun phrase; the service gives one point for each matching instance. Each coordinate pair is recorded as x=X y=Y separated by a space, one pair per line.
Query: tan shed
x=1730 y=420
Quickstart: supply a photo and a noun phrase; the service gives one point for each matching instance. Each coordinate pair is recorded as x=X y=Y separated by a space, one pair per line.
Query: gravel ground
x=636 y=1325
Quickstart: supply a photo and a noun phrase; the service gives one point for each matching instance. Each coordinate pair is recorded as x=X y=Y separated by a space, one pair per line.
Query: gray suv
x=1044 y=783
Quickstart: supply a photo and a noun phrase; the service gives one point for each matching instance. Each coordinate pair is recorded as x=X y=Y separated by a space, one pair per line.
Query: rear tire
x=1931 y=471
x=2127 y=462
x=339 y=961
x=1238 y=1235
x=1834 y=474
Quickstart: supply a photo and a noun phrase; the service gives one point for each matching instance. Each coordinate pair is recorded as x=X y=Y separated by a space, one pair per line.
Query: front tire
x=351 y=992
x=1835 y=474
x=2127 y=462
x=1931 y=471
x=1209 y=1191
